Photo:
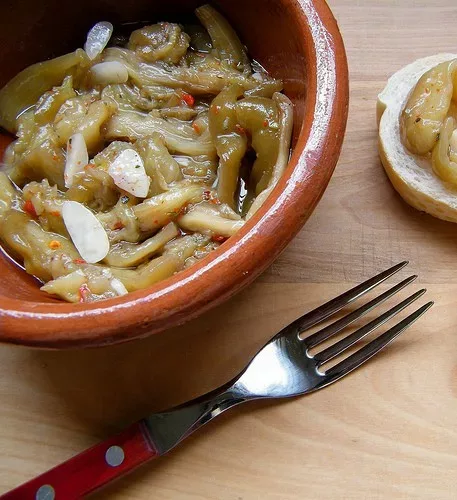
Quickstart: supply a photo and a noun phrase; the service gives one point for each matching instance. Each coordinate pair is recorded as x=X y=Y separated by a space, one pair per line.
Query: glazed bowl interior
x=284 y=37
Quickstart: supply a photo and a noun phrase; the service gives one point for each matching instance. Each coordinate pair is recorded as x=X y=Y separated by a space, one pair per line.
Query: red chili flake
x=55 y=213
x=265 y=123
x=208 y=196
x=79 y=261
x=240 y=129
x=215 y=109
x=118 y=225
x=196 y=128
x=155 y=221
x=55 y=157
x=54 y=244
x=183 y=210
x=89 y=165
x=218 y=238
x=188 y=99
x=84 y=291
x=29 y=208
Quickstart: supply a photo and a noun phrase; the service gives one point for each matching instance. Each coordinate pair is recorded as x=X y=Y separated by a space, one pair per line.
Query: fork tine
x=369 y=350
x=331 y=307
x=337 y=326
x=339 y=347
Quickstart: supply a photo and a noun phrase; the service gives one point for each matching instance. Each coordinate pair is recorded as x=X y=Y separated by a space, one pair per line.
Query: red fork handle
x=91 y=469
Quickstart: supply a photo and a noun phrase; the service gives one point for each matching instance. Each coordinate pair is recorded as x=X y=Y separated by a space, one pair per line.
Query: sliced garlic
x=108 y=72
x=128 y=173
x=97 y=39
x=77 y=158
x=86 y=231
x=118 y=287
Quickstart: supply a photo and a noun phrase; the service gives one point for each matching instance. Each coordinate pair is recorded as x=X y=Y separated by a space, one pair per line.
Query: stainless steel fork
x=284 y=367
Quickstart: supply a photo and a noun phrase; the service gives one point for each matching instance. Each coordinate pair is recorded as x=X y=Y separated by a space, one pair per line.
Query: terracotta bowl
x=296 y=40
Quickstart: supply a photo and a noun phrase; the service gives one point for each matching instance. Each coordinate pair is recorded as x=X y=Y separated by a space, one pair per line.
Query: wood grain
x=387 y=431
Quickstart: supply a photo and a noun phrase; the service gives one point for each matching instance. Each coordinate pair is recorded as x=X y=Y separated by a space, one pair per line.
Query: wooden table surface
x=387 y=431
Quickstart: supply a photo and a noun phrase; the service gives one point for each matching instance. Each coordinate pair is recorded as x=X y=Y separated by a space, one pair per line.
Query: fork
x=283 y=368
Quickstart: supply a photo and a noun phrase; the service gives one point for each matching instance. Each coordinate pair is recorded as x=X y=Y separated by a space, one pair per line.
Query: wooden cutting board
x=387 y=431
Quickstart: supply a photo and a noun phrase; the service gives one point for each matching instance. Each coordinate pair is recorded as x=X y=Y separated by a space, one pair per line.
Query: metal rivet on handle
x=114 y=456
x=45 y=492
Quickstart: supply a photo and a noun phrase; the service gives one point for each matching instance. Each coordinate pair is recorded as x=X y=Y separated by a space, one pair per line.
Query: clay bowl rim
x=244 y=256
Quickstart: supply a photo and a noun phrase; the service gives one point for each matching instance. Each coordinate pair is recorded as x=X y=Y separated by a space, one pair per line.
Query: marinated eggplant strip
x=224 y=38
x=285 y=133
x=204 y=220
x=260 y=116
x=230 y=140
x=160 y=268
x=195 y=80
x=29 y=85
x=159 y=210
x=43 y=253
x=156 y=157
x=134 y=126
x=125 y=254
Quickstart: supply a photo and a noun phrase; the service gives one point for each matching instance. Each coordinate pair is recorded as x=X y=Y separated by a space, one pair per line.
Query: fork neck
x=169 y=428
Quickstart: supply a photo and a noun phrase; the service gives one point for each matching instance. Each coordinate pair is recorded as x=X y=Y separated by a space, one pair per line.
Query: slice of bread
x=412 y=176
